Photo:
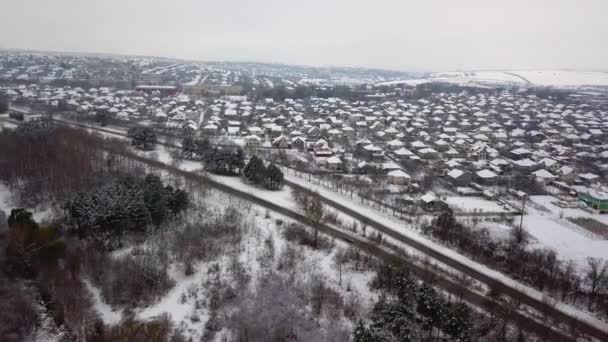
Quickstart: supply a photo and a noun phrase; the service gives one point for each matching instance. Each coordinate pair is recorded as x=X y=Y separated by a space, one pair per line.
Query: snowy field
x=474 y=204
x=182 y=302
x=548 y=230
x=565 y=78
x=556 y=78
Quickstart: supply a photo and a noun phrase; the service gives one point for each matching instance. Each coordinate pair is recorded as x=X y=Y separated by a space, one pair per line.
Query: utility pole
x=523 y=207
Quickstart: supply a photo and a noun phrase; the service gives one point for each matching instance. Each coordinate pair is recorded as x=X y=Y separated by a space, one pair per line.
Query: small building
x=334 y=164
x=458 y=177
x=253 y=141
x=299 y=143
x=486 y=176
x=430 y=202
x=595 y=199
x=281 y=142
x=399 y=177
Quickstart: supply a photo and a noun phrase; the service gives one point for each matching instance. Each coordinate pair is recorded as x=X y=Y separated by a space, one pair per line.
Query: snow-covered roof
x=542 y=173
x=455 y=173
x=399 y=174
x=333 y=160
x=485 y=173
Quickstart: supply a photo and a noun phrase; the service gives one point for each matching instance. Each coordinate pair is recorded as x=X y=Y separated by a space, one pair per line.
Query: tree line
x=538 y=267
x=128 y=203
x=231 y=162
x=412 y=308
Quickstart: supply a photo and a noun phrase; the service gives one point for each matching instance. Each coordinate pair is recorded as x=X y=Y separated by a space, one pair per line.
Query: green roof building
x=595 y=199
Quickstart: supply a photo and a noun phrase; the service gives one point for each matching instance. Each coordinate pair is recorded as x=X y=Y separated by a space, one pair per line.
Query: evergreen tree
x=201 y=147
x=274 y=178
x=188 y=147
x=430 y=306
x=142 y=138
x=362 y=333
x=253 y=169
x=237 y=161
x=155 y=199
x=178 y=200
x=458 y=322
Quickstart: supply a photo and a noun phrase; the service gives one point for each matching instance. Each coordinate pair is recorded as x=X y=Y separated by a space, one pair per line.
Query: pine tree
x=188 y=147
x=201 y=147
x=253 y=169
x=143 y=138
x=155 y=199
x=431 y=306
x=361 y=333
x=237 y=161
x=178 y=201
x=274 y=178
x=458 y=323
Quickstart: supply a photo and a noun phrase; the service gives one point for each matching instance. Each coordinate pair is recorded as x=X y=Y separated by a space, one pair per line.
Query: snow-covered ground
x=474 y=204
x=569 y=240
x=549 y=227
x=555 y=78
x=538 y=224
x=465 y=78
x=564 y=78
x=40 y=214
x=183 y=302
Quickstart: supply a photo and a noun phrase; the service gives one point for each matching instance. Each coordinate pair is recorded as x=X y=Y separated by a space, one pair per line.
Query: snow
x=40 y=214
x=108 y=315
x=564 y=78
x=464 y=78
x=556 y=78
x=5 y=198
x=469 y=204
x=399 y=226
x=569 y=240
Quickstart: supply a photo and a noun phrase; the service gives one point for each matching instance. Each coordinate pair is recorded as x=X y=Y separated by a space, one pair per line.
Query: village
x=501 y=158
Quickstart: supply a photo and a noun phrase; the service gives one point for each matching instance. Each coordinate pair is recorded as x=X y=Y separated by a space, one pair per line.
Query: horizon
x=108 y=54
x=434 y=36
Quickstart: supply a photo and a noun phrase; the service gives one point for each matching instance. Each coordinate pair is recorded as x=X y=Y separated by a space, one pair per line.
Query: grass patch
x=592 y=225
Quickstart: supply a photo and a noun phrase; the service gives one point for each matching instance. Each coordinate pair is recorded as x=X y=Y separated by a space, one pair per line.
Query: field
x=474 y=204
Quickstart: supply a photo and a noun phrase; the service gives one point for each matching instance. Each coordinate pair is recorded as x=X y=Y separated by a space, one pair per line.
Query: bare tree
x=596 y=275
x=339 y=258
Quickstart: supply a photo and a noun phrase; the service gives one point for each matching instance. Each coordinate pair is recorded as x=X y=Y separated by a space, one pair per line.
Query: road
x=556 y=314
x=438 y=279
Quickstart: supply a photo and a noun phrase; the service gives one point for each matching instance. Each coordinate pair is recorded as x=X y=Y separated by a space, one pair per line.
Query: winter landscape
x=381 y=182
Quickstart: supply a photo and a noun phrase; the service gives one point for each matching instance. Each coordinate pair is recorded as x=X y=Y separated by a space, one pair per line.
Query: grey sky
x=412 y=35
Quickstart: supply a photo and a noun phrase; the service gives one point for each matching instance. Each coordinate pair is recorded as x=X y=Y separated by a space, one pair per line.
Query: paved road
x=541 y=329
x=569 y=320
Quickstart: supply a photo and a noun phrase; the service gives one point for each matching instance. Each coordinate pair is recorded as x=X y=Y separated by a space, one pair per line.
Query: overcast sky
x=423 y=35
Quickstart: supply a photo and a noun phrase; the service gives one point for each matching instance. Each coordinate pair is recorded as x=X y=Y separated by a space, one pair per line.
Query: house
x=566 y=173
x=550 y=164
x=299 y=143
x=544 y=175
x=486 y=176
x=210 y=129
x=399 y=177
x=428 y=153
x=403 y=153
x=367 y=168
x=458 y=177
x=588 y=178
x=253 y=141
x=281 y=142
x=334 y=163
x=394 y=144
x=430 y=202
